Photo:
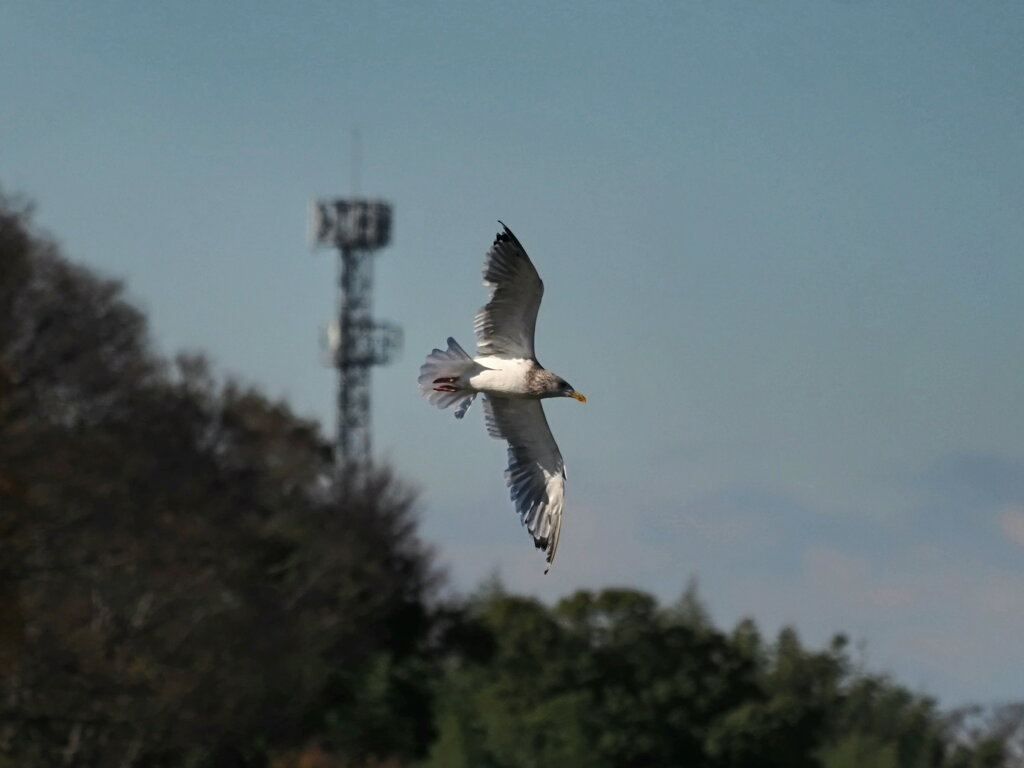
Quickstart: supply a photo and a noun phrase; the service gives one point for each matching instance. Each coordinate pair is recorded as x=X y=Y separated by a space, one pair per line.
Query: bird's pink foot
x=445 y=384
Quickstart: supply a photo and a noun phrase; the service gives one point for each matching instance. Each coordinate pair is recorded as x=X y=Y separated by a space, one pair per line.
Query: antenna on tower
x=355 y=161
x=357 y=228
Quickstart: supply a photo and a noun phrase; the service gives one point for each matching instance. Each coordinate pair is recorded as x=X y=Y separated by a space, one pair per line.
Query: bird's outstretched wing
x=505 y=326
x=536 y=472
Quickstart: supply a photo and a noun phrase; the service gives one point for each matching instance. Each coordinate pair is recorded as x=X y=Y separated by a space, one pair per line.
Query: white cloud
x=888 y=596
x=853 y=581
x=830 y=568
x=1011 y=523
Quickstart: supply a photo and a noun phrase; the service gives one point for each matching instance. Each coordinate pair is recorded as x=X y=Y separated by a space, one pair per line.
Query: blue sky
x=781 y=243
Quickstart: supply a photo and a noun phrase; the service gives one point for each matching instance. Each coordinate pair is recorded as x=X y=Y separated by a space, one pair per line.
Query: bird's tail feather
x=444 y=378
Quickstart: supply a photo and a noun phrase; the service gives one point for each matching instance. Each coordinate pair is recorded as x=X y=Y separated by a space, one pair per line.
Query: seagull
x=506 y=372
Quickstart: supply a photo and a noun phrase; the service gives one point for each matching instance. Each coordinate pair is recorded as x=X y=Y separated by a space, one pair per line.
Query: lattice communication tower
x=358 y=228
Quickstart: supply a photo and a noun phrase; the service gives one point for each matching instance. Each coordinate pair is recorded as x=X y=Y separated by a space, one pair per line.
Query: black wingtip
x=506 y=236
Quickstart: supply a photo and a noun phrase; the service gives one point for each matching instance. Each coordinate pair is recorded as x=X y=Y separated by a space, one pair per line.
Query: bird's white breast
x=501 y=376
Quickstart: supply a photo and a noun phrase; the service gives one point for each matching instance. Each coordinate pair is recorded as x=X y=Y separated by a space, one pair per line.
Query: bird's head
x=566 y=390
x=544 y=383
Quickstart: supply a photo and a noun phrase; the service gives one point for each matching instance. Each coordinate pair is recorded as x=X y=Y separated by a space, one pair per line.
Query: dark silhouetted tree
x=181 y=582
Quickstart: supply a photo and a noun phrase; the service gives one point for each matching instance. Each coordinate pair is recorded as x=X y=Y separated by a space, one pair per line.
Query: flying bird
x=506 y=372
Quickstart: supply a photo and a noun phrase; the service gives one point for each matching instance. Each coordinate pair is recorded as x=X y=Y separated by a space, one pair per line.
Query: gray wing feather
x=536 y=472
x=505 y=325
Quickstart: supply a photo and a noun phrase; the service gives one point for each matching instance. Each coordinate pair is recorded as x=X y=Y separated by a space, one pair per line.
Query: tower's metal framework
x=355 y=342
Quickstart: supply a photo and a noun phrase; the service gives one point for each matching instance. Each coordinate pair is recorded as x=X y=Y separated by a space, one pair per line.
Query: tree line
x=183 y=583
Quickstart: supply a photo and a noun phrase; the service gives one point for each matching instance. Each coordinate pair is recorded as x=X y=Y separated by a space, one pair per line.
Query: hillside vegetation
x=182 y=584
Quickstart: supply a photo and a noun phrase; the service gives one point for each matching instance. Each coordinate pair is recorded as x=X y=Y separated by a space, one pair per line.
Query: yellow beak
x=578 y=396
